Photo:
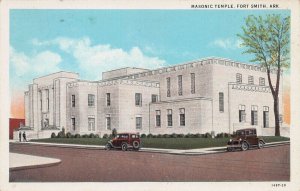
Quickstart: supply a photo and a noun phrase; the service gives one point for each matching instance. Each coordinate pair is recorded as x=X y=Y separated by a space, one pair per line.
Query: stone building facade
x=211 y=95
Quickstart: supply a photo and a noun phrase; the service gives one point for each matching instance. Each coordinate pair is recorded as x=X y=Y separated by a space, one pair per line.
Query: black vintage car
x=244 y=139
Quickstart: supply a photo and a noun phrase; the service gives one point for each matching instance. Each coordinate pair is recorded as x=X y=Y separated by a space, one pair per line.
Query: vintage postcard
x=140 y=95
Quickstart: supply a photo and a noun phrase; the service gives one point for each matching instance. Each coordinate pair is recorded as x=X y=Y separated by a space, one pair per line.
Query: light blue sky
x=92 y=41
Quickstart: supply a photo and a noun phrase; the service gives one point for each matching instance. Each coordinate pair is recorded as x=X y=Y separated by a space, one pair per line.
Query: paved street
x=87 y=165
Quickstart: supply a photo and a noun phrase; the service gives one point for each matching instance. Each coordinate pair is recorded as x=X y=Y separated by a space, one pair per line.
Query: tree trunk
x=276 y=101
x=277 y=117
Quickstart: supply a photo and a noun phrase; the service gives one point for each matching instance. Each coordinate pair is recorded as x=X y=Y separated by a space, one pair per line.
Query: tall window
x=107 y=99
x=168 y=87
x=157 y=118
x=108 y=122
x=154 y=98
x=138 y=99
x=242 y=113
x=221 y=101
x=180 y=85
x=193 y=90
x=250 y=80
x=169 y=116
x=91 y=124
x=239 y=78
x=138 y=122
x=73 y=100
x=91 y=100
x=266 y=117
x=41 y=104
x=73 y=123
x=254 y=115
x=182 y=116
x=41 y=100
x=47 y=99
x=262 y=81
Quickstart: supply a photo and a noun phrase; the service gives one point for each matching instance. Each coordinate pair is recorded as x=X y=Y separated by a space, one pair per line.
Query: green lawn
x=166 y=143
x=270 y=139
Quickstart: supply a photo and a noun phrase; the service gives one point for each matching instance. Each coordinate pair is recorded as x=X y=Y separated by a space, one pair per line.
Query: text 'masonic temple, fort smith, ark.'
x=211 y=95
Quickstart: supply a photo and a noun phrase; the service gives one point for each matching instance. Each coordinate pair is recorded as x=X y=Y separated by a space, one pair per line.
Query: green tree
x=268 y=40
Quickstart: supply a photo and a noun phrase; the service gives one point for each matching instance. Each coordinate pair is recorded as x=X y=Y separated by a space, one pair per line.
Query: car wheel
x=136 y=145
x=124 y=146
x=260 y=144
x=244 y=146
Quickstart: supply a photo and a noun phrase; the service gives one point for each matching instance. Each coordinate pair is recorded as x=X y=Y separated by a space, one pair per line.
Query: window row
x=91 y=99
x=138 y=99
x=138 y=120
x=180 y=86
x=254 y=115
x=91 y=123
x=170 y=117
x=239 y=79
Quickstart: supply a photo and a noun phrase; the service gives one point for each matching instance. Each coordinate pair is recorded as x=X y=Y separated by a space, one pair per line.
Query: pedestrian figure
x=20 y=136
x=24 y=136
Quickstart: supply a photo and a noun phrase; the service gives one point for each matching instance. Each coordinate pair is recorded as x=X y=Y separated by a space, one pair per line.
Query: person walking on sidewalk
x=20 y=136
x=24 y=136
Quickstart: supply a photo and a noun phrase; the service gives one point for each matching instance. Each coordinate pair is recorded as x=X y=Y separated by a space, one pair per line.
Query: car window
x=133 y=136
x=240 y=133
x=123 y=136
x=247 y=132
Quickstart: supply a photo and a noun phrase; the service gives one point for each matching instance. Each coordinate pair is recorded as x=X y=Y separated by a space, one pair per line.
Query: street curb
x=210 y=151
x=92 y=147
x=21 y=161
x=34 y=166
x=205 y=151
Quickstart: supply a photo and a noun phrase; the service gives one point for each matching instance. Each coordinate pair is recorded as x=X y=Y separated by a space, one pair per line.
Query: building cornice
x=199 y=63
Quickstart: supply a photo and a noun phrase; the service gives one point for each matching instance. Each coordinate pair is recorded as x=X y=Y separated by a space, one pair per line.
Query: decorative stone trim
x=254 y=88
x=129 y=82
x=40 y=88
x=182 y=100
x=82 y=83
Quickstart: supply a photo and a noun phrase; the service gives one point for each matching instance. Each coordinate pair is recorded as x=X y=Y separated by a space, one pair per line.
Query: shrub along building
x=211 y=95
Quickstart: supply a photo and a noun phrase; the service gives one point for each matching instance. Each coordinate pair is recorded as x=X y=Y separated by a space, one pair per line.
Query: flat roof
x=56 y=73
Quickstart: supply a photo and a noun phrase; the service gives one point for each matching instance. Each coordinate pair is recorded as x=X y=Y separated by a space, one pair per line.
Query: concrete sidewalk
x=21 y=161
x=200 y=151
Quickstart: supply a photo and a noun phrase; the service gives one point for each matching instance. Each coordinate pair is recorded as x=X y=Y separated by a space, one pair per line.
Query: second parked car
x=124 y=141
x=244 y=139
